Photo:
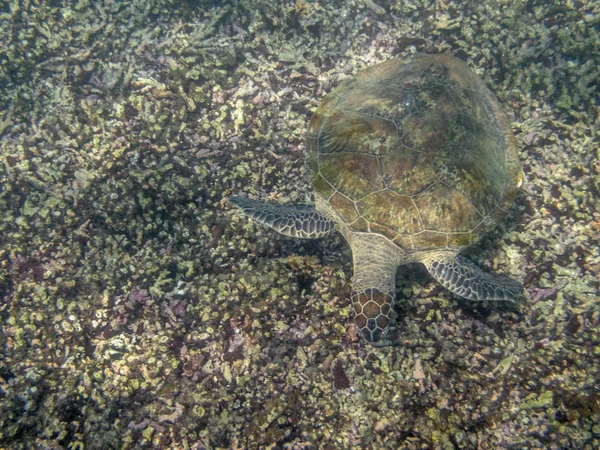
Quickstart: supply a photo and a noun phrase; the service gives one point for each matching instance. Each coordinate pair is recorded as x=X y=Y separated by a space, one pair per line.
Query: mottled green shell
x=417 y=150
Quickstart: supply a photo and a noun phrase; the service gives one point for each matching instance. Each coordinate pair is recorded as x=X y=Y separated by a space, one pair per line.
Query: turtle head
x=374 y=313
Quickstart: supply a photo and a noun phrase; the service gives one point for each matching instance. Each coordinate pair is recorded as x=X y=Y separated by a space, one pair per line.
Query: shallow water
x=140 y=311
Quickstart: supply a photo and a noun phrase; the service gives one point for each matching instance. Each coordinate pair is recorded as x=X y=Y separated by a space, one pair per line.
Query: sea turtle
x=413 y=160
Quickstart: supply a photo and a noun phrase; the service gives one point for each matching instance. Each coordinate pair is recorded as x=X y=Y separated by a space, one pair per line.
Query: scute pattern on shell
x=416 y=149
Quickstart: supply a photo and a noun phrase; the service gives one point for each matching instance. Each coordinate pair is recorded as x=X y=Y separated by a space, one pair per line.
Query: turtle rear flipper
x=462 y=277
x=298 y=221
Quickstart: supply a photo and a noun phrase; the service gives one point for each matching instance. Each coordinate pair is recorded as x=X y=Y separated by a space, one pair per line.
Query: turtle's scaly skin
x=294 y=221
x=413 y=160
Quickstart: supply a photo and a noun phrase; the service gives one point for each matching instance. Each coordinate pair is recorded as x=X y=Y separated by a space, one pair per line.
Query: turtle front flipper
x=462 y=277
x=296 y=221
x=376 y=261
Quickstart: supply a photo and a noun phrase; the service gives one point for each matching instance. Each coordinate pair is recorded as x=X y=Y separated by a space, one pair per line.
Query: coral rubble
x=138 y=311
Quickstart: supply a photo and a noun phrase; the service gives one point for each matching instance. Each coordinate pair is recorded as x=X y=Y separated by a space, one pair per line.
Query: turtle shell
x=417 y=150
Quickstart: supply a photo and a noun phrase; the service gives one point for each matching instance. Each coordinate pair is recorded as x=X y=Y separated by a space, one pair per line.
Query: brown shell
x=418 y=150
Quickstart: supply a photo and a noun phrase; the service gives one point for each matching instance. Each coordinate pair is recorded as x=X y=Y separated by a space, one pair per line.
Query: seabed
x=138 y=310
